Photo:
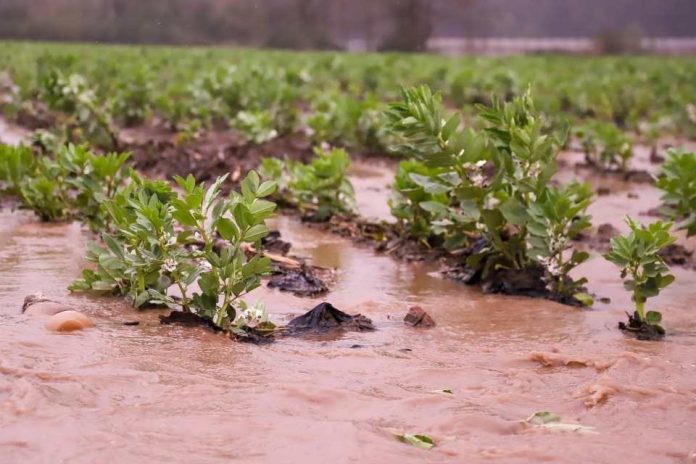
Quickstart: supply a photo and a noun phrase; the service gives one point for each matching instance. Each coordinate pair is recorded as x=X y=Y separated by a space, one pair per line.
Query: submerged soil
x=153 y=392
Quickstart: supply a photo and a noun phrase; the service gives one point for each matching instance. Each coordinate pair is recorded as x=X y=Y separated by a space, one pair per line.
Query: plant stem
x=640 y=310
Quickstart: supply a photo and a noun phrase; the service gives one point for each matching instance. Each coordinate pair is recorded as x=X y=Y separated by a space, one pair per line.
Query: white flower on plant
x=169 y=265
x=206 y=266
x=255 y=314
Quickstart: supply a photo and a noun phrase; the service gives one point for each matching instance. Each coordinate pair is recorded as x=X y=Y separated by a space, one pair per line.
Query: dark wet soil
x=639 y=176
x=642 y=330
x=212 y=154
x=302 y=281
x=325 y=317
x=187 y=319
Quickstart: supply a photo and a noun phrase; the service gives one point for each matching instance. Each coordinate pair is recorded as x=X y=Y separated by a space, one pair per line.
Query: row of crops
x=334 y=98
x=479 y=144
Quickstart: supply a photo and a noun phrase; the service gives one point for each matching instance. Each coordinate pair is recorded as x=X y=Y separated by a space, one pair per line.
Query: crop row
x=88 y=93
x=482 y=193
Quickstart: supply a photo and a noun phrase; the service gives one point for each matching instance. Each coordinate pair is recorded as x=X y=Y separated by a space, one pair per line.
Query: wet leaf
x=552 y=421
x=444 y=391
x=419 y=441
x=653 y=317
x=584 y=298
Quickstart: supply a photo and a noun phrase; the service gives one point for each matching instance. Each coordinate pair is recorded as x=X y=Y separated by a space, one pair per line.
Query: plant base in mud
x=641 y=329
x=532 y=282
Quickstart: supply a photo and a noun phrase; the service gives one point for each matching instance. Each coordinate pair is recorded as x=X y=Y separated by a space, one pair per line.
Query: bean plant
x=73 y=183
x=196 y=241
x=77 y=101
x=491 y=190
x=678 y=184
x=644 y=272
x=319 y=188
x=605 y=145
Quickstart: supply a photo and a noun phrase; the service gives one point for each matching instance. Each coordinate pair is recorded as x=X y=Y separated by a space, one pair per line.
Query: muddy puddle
x=153 y=393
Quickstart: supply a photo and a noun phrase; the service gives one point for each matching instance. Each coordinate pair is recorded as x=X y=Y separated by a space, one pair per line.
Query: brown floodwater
x=153 y=393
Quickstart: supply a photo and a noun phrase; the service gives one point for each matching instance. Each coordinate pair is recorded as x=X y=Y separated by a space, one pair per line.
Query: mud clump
x=274 y=244
x=417 y=317
x=302 y=281
x=244 y=334
x=187 y=319
x=322 y=318
x=601 y=240
x=325 y=317
x=677 y=255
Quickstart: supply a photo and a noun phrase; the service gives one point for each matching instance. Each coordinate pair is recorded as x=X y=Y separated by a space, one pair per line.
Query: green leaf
x=584 y=298
x=255 y=233
x=266 y=188
x=514 y=212
x=543 y=417
x=653 y=317
x=209 y=283
x=450 y=126
x=228 y=230
x=551 y=421
x=434 y=207
x=419 y=441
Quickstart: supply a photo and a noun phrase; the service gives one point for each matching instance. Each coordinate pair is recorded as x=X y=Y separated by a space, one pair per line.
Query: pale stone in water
x=46 y=308
x=68 y=321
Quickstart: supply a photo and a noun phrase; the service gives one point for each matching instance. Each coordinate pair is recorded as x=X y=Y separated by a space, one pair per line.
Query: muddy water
x=138 y=394
x=155 y=393
x=372 y=180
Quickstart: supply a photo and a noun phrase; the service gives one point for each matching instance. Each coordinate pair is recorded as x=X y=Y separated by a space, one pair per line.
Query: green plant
x=605 y=145
x=554 y=221
x=257 y=126
x=73 y=97
x=644 y=272
x=162 y=239
x=16 y=164
x=320 y=188
x=678 y=183
x=73 y=183
x=133 y=98
x=412 y=205
x=491 y=190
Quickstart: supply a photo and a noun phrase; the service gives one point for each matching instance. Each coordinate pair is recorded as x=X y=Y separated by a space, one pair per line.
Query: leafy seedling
x=644 y=272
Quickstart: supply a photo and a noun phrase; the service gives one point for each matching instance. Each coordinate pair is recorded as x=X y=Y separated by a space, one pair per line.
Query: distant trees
x=412 y=25
x=385 y=24
x=300 y=24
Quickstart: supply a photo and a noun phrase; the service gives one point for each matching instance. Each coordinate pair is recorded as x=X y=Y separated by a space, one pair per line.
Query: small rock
x=68 y=321
x=417 y=317
x=38 y=304
x=46 y=308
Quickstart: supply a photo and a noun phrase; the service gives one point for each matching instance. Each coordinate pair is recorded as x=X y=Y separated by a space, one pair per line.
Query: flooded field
x=145 y=393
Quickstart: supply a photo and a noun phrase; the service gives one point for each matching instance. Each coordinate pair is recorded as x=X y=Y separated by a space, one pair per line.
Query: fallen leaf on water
x=446 y=391
x=552 y=421
x=419 y=441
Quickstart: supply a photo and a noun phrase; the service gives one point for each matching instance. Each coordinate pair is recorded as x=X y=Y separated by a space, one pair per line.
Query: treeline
x=381 y=24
